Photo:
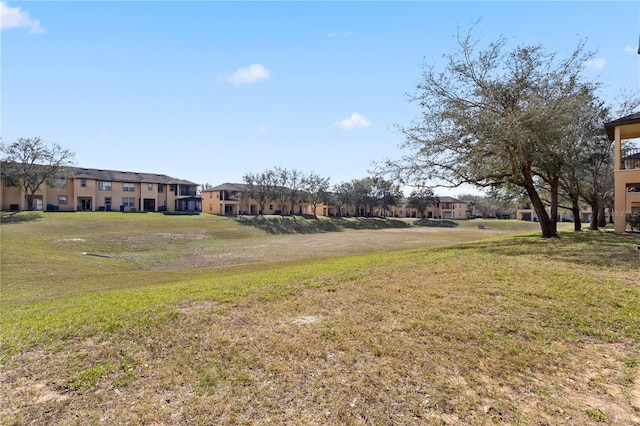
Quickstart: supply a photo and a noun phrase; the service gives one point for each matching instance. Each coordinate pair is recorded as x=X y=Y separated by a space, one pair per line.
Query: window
x=83 y=183
x=172 y=188
x=107 y=201
x=62 y=199
x=128 y=202
x=150 y=186
x=104 y=186
x=128 y=187
x=160 y=187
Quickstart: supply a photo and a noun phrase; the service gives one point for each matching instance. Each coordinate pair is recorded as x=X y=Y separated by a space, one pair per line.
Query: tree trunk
x=29 y=202
x=602 y=220
x=577 y=222
x=593 y=225
x=547 y=225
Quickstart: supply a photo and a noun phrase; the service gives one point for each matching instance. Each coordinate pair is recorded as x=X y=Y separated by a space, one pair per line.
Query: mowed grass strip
x=515 y=330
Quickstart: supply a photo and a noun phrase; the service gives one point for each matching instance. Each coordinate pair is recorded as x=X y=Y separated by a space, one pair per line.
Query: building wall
x=85 y=194
x=213 y=203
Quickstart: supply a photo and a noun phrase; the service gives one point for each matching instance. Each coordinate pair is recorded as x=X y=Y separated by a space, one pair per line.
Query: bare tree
x=493 y=118
x=316 y=190
x=30 y=163
x=261 y=187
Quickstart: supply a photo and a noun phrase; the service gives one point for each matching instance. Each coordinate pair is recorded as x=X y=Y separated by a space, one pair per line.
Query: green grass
x=500 y=329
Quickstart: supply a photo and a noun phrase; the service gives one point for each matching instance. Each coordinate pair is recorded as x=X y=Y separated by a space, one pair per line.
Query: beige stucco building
x=107 y=190
x=232 y=199
x=626 y=169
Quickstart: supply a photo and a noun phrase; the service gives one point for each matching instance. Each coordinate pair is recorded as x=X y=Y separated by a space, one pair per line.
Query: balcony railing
x=630 y=159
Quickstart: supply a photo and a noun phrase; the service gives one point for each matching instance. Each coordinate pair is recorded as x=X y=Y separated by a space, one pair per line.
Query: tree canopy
x=495 y=117
x=30 y=163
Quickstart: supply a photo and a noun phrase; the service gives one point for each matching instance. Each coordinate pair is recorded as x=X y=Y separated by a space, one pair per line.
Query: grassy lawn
x=149 y=319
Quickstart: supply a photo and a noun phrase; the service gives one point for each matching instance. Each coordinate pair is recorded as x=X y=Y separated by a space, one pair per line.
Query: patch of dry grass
x=502 y=331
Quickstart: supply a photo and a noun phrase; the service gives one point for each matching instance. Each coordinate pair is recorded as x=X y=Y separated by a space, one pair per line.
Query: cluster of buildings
x=232 y=199
x=109 y=190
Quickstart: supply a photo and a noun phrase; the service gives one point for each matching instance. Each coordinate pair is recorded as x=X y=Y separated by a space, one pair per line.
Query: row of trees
x=523 y=122
x=289 y=187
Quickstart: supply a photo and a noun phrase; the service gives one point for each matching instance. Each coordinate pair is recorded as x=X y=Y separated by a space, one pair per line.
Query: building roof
x=446 y=199
x=228 y=187
x=133 y=177
x=631 y=119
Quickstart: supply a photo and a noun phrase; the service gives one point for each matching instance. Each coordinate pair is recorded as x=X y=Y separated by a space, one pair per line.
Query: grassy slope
x=514 y=330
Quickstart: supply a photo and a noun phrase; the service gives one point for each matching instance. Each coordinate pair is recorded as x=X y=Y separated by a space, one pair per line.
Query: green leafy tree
x=421 y=199
x=387 y=193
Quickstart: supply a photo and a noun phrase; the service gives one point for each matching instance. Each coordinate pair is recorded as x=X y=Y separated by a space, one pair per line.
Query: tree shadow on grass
x=7 y=218
x=368 y=223
x=297 y=225
x=436 y=223
x=587 y=247
x=289 y=225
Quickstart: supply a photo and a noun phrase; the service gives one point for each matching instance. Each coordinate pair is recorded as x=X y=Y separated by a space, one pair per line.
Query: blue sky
x=208 y=91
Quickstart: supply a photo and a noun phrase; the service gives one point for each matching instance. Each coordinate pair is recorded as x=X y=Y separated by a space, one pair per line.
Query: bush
x=633 y=219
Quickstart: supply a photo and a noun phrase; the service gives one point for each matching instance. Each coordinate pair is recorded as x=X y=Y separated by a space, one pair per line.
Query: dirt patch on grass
x=277 y=248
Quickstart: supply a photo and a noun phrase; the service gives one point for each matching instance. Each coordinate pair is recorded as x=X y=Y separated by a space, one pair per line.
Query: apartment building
x=107 y=190
x=626 y=169
x=527 y=212
x=447 y=208
x=232 y=199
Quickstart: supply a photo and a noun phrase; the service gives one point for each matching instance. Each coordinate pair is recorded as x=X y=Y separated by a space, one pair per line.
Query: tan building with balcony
x=107 y=190
x=626 y=169
x=232 y=199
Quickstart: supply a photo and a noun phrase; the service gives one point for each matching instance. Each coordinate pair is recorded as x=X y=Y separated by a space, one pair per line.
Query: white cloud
x=14 y=17
x=596 y=64
x=356 y=120
x=251 y=74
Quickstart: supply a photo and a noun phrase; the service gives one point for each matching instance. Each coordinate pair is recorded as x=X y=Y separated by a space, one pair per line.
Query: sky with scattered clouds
x=209 y=91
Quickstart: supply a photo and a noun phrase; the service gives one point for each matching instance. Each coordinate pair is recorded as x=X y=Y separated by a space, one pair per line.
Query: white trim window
x=104 y=185
x=128 y=187
x=129 y=202
x=62 y=199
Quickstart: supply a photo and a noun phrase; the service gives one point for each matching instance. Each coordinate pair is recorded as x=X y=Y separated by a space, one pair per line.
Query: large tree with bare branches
x=494 y=117
x=31 y=163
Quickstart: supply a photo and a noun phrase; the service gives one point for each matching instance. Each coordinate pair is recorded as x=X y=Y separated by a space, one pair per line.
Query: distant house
x=626 y=169
x=526 y=212
x=447 y=208
x=107 y=190
x=232 y=199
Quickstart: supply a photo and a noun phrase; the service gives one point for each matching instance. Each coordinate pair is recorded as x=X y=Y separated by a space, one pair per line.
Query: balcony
x=630 y=159
x=230 y=195
x=188 y=191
